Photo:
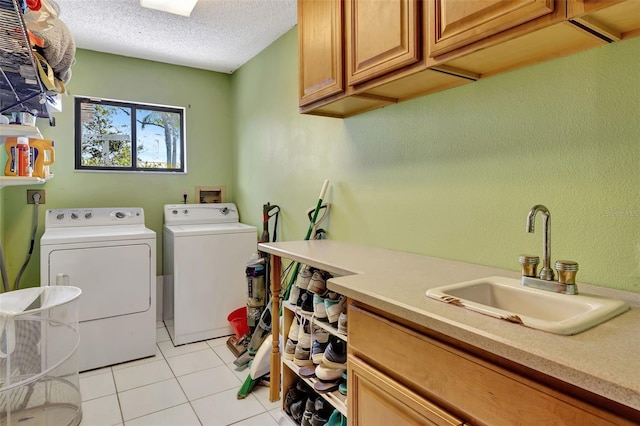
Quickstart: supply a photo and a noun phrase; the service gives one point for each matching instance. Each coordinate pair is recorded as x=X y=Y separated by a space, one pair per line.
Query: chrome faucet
x=566 y=269
x=546 y=273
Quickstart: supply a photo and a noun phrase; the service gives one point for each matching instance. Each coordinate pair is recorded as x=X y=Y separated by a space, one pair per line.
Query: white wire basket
x=39 y=381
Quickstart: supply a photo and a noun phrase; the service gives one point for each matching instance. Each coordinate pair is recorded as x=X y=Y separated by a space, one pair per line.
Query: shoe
x=297 y=409
x=306 y=304
x=296 y=392
x=342 y=323
x=319 y=310
x=319 y=334
x=342 y=388
x=294 y=294
x=337 y=419
x=304 y=333
x=328 y=374
x=318 y=419
x=335 y=356
x=309 y=409
x=318 y=282
x=294 y=330
x=334 y=308
x=304 y=276
x=289 y=349
x=302 y=356
x=317 y=351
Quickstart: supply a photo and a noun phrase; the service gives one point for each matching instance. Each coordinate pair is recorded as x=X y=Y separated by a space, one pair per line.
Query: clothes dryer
x=205 y=254
x=110 y=255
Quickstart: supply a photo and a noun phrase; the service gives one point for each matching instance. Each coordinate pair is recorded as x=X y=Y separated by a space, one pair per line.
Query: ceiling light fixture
x=177 y=7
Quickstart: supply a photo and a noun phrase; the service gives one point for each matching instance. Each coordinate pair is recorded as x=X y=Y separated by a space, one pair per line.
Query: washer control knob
x=88 y=215
x=186 y=211
x=60 y=216
x=175 y=212
x=120 y=215
x=74 y=215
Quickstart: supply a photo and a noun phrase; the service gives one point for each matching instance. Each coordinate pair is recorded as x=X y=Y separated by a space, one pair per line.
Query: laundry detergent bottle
x=11 y=168
x=42 y=155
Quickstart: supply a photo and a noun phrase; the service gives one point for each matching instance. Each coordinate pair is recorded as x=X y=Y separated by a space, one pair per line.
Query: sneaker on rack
x=296 y=392
x=309 y=409
x=294 y=294
x=336 y=419
x=317 y=351
x=335 y=356
x=328 y=374
x=306 y=305
x=319 y=309
x=342 y=323
x=319 y=334
x=334 y=308
x=318 y=282
x=302 y=356
x=322 y=411
x=289 y=349
x=304 y=276
x=304 y=333
x=294 y=330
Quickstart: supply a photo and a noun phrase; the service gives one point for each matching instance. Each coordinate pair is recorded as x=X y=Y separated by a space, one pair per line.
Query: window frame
x=134 y=106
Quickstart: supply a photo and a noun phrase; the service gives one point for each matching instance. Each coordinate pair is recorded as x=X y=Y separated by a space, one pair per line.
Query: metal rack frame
x=21 y=89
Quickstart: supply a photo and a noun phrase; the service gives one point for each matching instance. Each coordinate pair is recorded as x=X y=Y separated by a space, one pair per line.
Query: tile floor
x=193 y=384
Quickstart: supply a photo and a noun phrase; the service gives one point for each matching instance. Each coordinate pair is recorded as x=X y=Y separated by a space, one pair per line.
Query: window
x=123 y=136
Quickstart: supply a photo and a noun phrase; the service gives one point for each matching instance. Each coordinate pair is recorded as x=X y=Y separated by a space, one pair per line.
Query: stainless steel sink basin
x=506 y=299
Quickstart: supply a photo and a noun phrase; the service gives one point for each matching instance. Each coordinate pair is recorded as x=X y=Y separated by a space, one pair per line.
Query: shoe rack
x=290 y=371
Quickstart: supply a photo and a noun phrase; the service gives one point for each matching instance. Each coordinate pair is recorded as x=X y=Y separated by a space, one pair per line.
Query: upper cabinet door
x=381 y=36
x=320 y=51
x=457 y=23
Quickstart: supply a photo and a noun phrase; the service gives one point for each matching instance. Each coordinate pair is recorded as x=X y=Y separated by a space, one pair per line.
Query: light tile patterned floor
x=187 y=385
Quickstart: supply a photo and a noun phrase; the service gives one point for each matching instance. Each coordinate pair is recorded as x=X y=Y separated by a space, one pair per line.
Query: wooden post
x=274 y=386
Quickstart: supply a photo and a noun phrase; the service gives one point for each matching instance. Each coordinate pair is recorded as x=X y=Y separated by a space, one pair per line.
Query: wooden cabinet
x=381 y=36
x=359 y=55
x=457 y=23
x=408 y=366
x=320 y=50
x=380 y=400
x=613 y=20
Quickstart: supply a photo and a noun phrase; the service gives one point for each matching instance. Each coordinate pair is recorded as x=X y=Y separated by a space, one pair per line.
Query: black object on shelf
x=21 y=89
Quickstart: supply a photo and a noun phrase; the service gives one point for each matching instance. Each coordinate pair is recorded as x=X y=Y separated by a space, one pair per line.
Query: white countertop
x=604 y=360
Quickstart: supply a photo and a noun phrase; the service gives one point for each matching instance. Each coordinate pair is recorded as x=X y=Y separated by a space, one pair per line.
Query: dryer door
x=114 y=279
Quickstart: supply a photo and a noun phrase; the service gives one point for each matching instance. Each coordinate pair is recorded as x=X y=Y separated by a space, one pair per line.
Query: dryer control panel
x=193 y=214
x=102 y=216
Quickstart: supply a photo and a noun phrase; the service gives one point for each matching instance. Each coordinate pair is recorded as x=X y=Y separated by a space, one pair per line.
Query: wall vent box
x=210 y=194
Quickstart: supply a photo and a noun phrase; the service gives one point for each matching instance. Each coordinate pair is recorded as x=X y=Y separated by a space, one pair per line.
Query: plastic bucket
x=238 y=321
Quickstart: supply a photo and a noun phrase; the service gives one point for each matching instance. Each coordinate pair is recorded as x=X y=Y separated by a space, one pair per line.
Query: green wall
x=454 y=174
x=206 y=97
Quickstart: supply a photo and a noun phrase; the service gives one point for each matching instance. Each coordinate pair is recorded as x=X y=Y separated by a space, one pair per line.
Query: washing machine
x=205 y=254
x=111 y=256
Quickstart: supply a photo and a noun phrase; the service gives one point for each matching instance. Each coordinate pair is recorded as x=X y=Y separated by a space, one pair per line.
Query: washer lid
x=209 y=229
x=84 y=234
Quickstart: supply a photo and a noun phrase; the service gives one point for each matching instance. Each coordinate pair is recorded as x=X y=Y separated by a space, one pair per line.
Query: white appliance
x=205 y=254
x=110 y=255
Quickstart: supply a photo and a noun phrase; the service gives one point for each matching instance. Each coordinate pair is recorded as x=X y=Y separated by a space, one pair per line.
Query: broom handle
x=276 y=270
x=312 y=223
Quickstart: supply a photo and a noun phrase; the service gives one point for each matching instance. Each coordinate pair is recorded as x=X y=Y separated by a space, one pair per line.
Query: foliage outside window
x=123 y=136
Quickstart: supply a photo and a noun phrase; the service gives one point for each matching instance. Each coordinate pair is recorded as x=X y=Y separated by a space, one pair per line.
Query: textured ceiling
x=220 y=35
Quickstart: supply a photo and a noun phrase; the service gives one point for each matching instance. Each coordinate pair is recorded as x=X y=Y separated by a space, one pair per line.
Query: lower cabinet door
x=376 y=399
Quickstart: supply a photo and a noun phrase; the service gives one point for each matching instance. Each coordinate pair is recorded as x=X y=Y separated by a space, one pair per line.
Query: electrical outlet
x=31 y=192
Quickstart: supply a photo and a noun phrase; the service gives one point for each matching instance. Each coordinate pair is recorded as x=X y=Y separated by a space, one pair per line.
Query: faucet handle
x=528 y=264
x=567 y=270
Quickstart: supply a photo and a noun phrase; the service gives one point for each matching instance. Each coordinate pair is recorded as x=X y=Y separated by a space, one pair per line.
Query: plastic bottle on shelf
x=24 y=157
x=42 y=156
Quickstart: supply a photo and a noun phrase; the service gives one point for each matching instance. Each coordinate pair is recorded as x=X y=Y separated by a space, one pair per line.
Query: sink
x=506 y=299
